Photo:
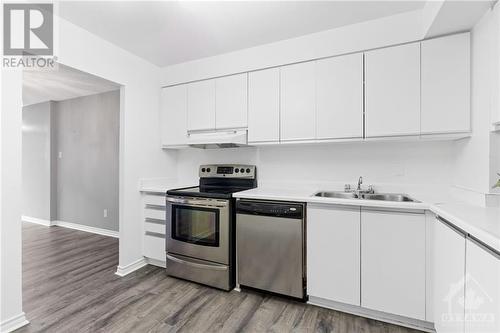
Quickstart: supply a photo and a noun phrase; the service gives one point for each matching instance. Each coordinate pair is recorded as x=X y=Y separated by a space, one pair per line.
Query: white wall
x=384 y=164
x=10 y=200
x=37 y=161
x=472 y=163
x=140 y=156
x=352 y=38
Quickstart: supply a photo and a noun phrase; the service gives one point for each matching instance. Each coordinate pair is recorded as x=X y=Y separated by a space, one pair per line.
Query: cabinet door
x=446 y=84
x=201 y=105
x=339 y=97
x=448 y=270
x=231 y=101
x=298 y=112
x=173 y=115
x=333 y=253
x=482 y=290
x=393 y=262
x=264 y=105
x=392 y=91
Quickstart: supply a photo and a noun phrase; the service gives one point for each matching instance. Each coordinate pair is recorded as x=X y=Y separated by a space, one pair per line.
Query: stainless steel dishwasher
x=270 y=244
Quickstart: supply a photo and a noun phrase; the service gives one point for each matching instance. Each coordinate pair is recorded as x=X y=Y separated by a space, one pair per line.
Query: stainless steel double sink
x=397 y=197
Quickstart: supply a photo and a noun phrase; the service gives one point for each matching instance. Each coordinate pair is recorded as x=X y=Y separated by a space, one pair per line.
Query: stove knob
x=208 y=169
x=202 y=169
x=248 y=170
x=242 y=170
x=237 y=170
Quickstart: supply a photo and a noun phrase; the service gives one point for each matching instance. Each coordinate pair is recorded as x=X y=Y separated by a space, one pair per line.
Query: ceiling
x=60 y=84
x=166 y=33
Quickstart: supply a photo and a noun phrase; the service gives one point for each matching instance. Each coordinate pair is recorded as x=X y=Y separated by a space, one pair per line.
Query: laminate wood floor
x=69 y=285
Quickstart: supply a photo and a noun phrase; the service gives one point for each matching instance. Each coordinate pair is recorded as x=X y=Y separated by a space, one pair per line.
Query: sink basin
x=398 y=197
x=337 y=194
x=389 y=197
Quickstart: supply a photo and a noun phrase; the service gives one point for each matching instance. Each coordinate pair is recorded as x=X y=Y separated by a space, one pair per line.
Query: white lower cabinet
x=154 y=227
x=482 y=290
x=448 y=273
x=393 y=262
x=333 y=253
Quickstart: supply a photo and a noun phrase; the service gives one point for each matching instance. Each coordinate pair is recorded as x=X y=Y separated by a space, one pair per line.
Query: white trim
x=14 y=323
x=156 y=262
x=30 y=219
x=373 y=314
x=127 y=269
x=81 y=227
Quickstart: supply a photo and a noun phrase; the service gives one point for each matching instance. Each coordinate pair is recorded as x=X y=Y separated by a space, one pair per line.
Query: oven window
x=195 y=225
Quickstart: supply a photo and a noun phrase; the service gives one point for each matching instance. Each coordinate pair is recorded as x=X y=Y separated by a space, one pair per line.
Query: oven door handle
x=197 y=203
x=197 y=265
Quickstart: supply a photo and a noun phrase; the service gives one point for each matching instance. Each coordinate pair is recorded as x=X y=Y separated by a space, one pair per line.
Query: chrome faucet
x=360 y=181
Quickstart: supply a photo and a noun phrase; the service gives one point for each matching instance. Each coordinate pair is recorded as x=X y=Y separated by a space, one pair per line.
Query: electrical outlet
x=105 y=213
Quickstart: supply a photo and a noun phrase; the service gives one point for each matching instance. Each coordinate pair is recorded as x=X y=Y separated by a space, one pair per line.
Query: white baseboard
x=127 y=269
x=373 y=314
x=30 y=219
x=14 y=323
x=156 y=262
x=81 y=227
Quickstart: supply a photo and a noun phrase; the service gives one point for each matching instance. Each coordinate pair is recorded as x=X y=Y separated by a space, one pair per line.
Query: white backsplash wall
x=393 y=163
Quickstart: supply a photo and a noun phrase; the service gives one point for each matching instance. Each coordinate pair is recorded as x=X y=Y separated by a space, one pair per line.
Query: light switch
x=59 y=155
x=105 y=213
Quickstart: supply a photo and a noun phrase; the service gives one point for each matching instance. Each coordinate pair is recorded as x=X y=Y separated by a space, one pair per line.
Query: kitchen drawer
x=155 y=212
x=155 y=227
x=154 y=246
x=158 y=200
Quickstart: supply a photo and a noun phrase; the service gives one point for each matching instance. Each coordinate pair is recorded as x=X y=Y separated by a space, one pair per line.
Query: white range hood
x=218 y=139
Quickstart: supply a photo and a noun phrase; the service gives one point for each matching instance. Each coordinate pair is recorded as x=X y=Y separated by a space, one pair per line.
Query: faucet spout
x=360 y=181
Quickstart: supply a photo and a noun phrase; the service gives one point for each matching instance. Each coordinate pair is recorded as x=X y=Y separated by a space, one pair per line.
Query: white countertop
x=480 y=222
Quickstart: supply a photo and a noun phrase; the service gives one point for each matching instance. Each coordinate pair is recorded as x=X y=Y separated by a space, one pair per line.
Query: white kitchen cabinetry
x=264 y=106
x=482 y=290
x=173 y=116
x=392 y=91
x=201 y=105
x=448 y=270
x=393 y=262
x=333 y=253
x=298 y=102
x=446 y=84
x=231 y=101
x=154 y=224
x=339 y=97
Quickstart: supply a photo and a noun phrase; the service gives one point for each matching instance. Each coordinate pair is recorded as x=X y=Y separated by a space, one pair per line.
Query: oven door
x=198 y=228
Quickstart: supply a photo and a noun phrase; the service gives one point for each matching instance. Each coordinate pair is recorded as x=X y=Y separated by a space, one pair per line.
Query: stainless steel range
x=200 y=233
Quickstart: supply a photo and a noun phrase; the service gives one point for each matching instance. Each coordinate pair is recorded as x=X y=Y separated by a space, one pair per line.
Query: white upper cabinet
x=392 y=91
x=231 y=101
x=333 y=253
x=173 y=116
x=298 y=102
x=264 y=106
x=201 y=105
x=448 y=269
x=446 y=84
x=339 y=97
x=393 y=262
x=482 y=289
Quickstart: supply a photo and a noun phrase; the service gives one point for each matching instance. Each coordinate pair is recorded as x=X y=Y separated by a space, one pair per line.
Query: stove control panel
x=227 y=171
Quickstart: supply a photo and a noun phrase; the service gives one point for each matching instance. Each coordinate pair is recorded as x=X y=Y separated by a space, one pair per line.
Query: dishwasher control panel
x=270 y=208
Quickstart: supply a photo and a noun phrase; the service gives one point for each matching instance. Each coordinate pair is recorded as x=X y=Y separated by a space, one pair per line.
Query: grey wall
x=36 y=161
x=87 y=135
